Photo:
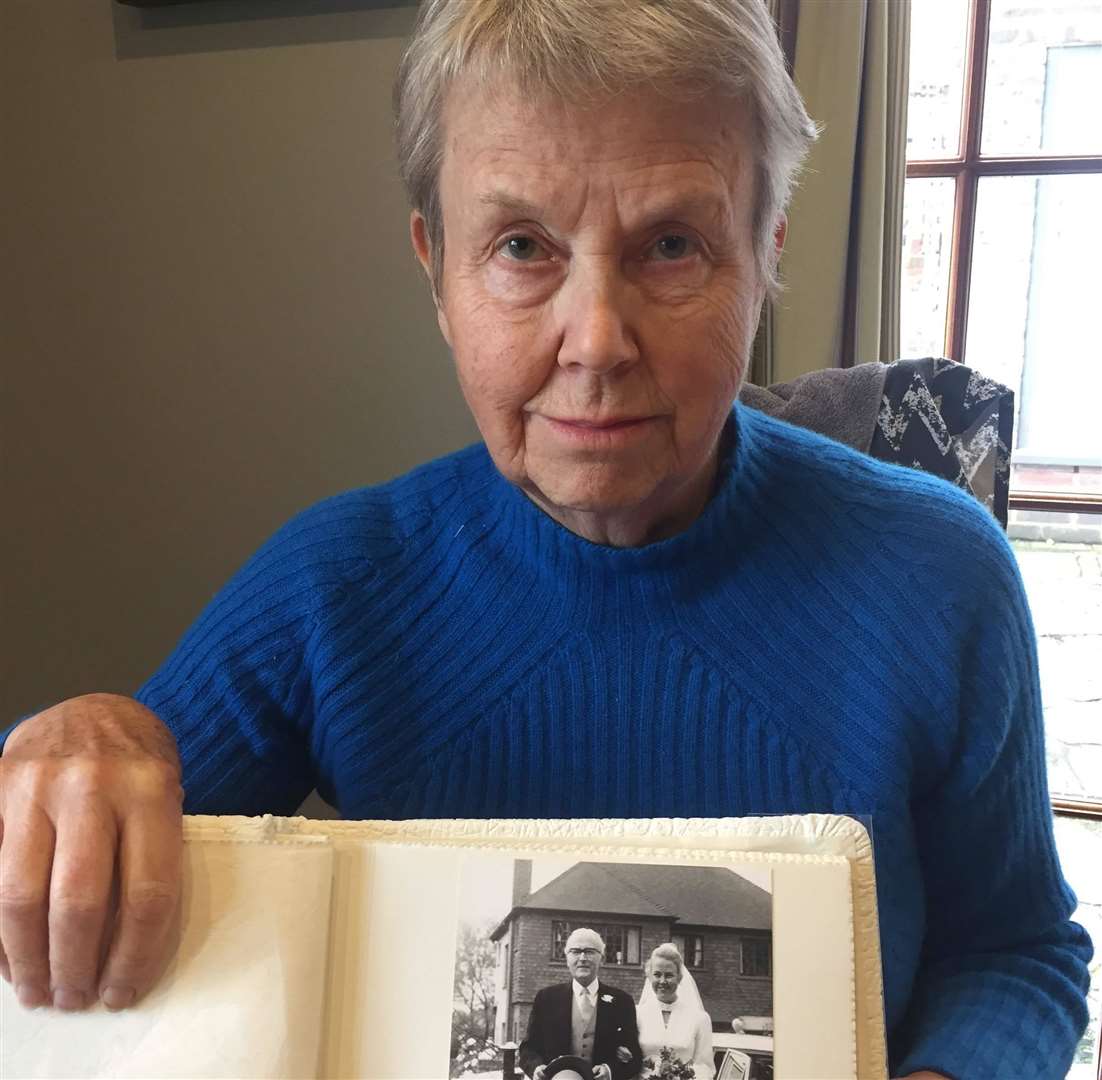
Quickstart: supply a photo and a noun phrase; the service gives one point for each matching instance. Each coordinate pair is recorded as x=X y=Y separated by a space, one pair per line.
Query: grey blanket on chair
x=842 y=403
x=930 y=414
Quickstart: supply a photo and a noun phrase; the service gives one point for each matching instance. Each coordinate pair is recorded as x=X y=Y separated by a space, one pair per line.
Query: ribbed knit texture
x=832 y=634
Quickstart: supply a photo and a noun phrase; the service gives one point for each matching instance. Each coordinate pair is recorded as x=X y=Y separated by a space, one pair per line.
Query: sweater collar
x=536 y=537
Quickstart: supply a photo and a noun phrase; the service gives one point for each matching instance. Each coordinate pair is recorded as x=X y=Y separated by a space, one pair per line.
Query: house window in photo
x=621 y=942
x=691 y=948
x=755 y=958
x=560 y=931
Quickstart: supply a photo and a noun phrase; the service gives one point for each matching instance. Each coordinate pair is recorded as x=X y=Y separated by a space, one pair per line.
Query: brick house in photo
x=721 y=922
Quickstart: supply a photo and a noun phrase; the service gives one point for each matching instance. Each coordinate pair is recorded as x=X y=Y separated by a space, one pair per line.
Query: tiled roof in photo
x=691 y=895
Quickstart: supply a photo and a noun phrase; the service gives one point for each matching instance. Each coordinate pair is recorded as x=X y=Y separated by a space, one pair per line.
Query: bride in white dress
x=672 y=1015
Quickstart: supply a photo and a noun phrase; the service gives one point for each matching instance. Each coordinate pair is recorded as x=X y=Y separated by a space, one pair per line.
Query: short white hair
x=585 y=930
x=583 y=50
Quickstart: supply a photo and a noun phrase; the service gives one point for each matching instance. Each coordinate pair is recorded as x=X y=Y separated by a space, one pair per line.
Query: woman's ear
x=422 y=248
x=779 y=234
x=419 y=236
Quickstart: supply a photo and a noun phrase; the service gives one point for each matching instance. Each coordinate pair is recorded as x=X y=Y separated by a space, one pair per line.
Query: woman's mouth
x=604 y=432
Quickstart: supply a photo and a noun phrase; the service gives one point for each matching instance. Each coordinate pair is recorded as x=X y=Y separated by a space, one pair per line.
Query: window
x=1000 y=239
x=560 y=931
x=621 y=942
x=691 y=948
x=1001 y=229
x=755 y=957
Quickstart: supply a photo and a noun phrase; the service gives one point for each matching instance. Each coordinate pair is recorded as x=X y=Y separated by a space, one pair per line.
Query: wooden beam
x=1057 y=502
x=1083 y=809
x=1007 y=166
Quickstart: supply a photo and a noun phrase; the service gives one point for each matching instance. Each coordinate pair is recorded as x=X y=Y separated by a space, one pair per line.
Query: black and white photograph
x=569 y=969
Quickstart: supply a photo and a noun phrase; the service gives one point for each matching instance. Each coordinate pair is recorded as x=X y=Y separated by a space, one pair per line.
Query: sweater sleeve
x=235 y=692
x=1002 y=984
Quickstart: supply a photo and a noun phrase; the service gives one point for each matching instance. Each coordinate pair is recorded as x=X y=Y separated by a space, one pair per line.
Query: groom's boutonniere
x=606 y=997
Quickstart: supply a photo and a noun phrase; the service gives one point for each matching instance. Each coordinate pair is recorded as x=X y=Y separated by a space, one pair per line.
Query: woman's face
x=600 y=295
x=664 y=978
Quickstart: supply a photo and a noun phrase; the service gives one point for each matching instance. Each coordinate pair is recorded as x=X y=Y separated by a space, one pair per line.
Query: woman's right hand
x=87 y=786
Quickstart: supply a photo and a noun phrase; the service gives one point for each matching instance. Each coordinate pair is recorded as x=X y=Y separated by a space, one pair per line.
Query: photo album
x=667 y=949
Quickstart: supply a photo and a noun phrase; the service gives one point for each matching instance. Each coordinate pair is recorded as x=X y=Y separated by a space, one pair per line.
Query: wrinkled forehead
x=585 y=939
x=493 y=127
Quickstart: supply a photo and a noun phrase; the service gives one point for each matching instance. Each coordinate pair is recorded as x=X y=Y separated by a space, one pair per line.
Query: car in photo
x=741 y=1056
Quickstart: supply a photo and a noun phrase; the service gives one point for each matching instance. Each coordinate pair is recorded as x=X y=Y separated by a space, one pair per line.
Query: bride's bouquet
x=668 y=1067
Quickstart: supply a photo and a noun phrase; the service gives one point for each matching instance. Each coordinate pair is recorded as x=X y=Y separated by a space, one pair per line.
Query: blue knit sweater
x=832 y=634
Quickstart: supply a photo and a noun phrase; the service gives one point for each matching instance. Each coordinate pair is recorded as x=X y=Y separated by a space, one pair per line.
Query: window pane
x=1060 y=556
x=619 y=947
x=939 y=39
x=755 y=957
x=633 y=945
x=614 y=943
x=1044 y=78
x=1035 y=321
x=1063 y=479
x=1080 y=846
x=927 y=247
x=560 y=931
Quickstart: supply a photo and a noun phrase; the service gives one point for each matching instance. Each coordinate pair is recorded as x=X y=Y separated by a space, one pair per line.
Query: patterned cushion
x=942 y=417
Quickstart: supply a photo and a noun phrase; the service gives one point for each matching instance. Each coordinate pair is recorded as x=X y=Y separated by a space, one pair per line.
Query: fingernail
x=30 y=996
x=117 y=997
x=66 y=998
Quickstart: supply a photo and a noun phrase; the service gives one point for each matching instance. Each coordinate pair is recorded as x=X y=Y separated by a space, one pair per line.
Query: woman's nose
x=597 y=332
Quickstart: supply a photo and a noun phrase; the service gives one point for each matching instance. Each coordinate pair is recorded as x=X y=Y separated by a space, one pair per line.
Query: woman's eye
x=523 y=249
x=671 y=247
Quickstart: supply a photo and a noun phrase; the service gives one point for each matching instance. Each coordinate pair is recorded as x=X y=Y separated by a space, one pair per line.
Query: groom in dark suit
x=584 y=1017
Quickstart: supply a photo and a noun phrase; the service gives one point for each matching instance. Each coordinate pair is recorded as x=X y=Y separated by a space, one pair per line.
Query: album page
x=243 y=995
x=419 y=949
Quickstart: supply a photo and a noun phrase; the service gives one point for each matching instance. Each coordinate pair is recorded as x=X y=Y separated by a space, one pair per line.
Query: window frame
x=694 y=959
x=743 y=941
x=966 y=169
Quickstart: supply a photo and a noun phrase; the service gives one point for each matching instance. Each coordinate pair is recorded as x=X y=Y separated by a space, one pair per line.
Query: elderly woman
x=630 y=599
x=672 y=1017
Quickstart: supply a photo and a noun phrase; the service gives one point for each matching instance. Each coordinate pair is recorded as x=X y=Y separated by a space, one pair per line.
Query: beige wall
x=209 y=313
